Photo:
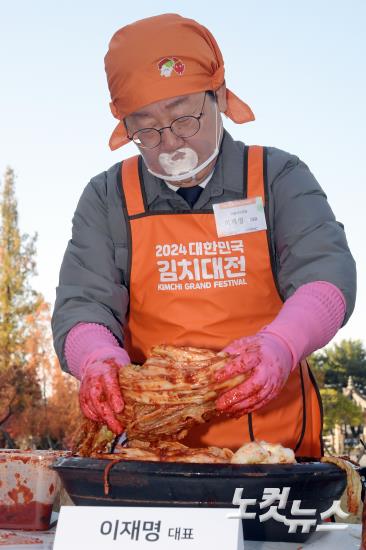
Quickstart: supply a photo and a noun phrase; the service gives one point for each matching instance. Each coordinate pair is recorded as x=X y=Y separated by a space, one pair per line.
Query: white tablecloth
x=349 y=539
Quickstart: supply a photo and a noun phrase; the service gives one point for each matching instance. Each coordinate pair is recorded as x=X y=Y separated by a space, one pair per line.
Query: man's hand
x=100 y=395
x=267 y=360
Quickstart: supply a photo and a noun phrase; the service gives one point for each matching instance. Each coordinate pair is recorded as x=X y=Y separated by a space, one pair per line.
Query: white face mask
x=179 y=162
x=182 y=163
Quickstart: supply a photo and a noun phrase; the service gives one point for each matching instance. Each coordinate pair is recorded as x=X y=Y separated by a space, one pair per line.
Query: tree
x=18 y=383
x=51 y=420
x=331 y=368
x=38 y=403
x=335 y=364
x=28 y=425
x=339 y=409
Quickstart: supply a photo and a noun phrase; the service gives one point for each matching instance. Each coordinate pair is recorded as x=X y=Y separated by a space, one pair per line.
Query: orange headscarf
x=162 y=57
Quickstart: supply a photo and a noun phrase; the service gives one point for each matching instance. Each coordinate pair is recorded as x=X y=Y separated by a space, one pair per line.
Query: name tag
x=114 y=527
x=237 y=217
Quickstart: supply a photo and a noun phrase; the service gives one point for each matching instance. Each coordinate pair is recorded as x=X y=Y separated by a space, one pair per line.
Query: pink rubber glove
x=100 y=394
x=268 y=362
x=95 y=357
x=307 y=321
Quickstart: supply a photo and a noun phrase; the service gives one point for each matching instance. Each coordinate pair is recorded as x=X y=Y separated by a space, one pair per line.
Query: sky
x=299 y=65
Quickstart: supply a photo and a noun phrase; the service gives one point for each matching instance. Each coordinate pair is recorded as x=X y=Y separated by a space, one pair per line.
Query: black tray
x=140 y=483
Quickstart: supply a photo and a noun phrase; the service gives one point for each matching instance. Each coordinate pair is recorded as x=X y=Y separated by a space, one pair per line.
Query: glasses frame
x=161 y=130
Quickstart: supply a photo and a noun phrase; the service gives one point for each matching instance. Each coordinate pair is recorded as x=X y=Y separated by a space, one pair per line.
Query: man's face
x=200 y=146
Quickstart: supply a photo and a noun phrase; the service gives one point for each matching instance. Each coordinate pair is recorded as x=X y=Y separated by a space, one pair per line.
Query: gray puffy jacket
x=307 y=242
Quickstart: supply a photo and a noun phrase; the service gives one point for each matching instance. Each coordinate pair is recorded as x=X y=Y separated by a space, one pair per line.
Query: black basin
x=140 y=483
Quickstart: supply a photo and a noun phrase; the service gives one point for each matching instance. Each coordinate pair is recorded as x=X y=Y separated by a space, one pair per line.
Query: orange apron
x=188 y=287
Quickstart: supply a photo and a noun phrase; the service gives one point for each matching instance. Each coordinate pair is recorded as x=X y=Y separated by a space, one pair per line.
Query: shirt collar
x=202 y=184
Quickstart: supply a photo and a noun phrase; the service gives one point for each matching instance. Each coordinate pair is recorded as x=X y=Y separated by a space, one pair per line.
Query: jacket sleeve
x=91 y=286
x=309 y=243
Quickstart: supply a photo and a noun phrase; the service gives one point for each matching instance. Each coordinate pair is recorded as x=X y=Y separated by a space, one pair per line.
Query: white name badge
x=237 y=217
x=110 y=527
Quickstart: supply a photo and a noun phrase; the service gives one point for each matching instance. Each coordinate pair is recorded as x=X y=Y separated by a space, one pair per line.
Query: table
x=348 y=539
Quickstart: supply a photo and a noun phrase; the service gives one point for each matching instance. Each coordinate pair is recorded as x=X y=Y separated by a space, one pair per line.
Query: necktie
x=190 y=194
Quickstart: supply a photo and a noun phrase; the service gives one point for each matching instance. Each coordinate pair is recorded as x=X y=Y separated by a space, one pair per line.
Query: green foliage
x=335 y=364
x=339 y=409
x=332 y=367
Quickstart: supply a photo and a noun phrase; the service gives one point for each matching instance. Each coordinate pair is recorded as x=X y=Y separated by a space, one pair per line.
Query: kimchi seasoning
x=28 y=488
x=33 y=516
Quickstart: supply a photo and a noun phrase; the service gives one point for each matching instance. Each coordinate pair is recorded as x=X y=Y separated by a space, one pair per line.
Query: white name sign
x=237 y=217
x=109 y=527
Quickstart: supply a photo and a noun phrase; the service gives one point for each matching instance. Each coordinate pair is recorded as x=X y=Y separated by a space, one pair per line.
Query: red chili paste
x=33 y=516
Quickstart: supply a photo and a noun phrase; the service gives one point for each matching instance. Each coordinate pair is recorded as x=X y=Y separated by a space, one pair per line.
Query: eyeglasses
x=183 y=127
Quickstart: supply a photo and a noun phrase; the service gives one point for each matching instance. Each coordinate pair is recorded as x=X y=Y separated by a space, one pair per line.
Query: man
x=174 y=246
